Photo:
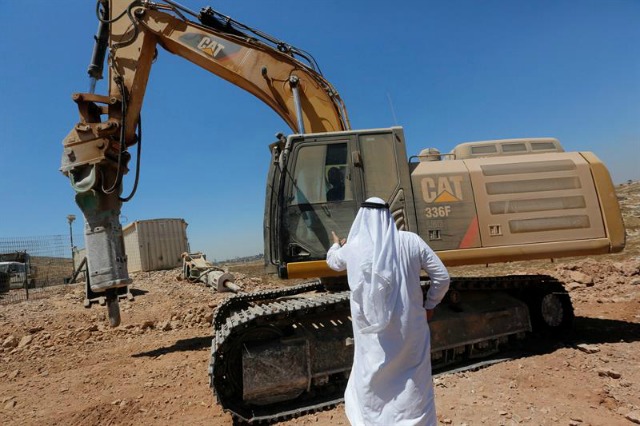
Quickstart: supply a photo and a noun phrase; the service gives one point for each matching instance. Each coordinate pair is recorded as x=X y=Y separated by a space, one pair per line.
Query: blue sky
x=448 y=71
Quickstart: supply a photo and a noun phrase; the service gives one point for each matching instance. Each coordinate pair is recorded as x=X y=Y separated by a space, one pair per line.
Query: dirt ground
x=62 y=364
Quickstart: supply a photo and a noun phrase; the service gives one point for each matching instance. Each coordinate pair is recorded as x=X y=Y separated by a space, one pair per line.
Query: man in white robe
x=390 y=381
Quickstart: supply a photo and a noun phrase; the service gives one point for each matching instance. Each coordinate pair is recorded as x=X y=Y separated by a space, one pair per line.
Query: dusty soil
x=61 y=363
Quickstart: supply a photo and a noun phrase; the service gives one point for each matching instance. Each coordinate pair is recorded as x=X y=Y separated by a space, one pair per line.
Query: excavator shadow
x=585 y=330
x=592 y=331
x=598 y=330
x=183 y=345
x=138 y=292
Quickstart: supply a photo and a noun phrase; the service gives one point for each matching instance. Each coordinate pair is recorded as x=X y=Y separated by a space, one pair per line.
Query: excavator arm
x=95 y=152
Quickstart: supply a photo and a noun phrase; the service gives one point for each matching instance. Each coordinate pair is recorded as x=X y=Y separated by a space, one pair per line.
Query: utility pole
x=70 y=219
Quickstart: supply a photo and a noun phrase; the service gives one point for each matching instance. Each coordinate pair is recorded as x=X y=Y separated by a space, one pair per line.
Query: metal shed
x=155 y=244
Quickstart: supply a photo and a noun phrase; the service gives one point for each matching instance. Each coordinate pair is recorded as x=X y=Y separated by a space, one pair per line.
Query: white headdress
x=373 y=239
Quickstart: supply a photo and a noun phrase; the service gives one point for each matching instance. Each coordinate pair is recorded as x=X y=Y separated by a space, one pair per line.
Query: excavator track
x=308 y=331
x=244 y=317
x=239 y=301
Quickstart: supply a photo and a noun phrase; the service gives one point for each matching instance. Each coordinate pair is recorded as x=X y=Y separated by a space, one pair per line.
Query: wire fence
x=33 y=267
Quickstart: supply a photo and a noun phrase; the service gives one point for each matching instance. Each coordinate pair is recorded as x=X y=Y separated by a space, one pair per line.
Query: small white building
x=155 y=244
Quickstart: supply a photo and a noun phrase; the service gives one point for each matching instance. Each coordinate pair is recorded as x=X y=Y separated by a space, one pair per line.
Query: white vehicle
x=16 y=273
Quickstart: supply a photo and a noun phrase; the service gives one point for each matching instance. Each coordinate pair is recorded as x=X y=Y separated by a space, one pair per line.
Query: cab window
x=321 y=174
x=380 y=166
x=321 y=199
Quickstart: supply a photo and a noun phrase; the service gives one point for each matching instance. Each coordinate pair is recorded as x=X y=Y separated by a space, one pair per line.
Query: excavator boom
x=294 y=90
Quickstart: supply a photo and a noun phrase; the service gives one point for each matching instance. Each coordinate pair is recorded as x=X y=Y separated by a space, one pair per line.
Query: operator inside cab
x=336 y=180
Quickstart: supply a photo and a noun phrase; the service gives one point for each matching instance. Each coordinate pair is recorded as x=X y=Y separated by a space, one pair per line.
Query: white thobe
x=390 y=381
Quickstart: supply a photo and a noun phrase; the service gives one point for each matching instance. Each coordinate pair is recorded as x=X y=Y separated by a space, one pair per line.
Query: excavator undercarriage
x=281 y=353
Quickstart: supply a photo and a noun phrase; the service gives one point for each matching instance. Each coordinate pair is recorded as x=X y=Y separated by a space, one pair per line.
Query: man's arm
x=335 y=260
x=438 y=274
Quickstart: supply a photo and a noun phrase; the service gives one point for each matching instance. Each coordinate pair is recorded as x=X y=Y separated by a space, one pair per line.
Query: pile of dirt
x=593 y=280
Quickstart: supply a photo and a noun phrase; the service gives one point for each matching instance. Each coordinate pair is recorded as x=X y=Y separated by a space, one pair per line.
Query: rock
x=581 y=278
x=34 y=330
x=573 y=286
x=165 y=326
x=147 y=324
x=590 y=349
x=633 y=417
x=635 y=281
x=627 y=268
x=25 y=341
x=447 y=421
x=84 y=335
x=9 y=405
x=609 y=373
x=14 y=374
x=10 y=342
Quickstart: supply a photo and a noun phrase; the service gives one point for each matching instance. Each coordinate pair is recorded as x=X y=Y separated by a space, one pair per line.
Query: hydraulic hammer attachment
x=95 y=163
x=196 y=268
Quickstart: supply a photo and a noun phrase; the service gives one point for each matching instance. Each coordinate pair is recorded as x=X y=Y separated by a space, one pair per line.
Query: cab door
x=381 y=166
x=320 y=196
x=328 y=176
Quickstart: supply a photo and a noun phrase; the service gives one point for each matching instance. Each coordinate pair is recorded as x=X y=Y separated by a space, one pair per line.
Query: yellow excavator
x=282 y=352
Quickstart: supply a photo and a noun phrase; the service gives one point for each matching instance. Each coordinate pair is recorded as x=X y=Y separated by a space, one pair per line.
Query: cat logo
x=213 y=47
x=443 y=189
x=210 y=47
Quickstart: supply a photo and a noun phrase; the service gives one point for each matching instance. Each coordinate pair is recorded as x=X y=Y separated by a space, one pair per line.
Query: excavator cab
x=321 y=179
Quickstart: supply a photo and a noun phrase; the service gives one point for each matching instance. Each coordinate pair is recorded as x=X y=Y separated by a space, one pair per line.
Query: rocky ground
x=61 y=363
